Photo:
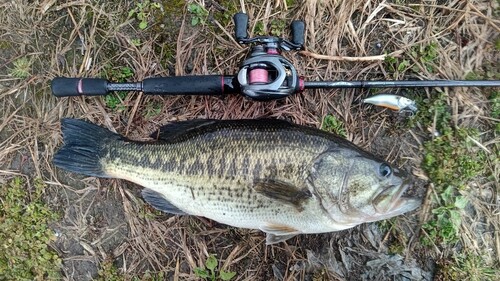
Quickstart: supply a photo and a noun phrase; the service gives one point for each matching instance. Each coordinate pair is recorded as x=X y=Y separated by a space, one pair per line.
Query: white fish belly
x=230 y=203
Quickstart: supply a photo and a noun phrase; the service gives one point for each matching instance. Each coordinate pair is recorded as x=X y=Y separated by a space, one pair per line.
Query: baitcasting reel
x=266 y=74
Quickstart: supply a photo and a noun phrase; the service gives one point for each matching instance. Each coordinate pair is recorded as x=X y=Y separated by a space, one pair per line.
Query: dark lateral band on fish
x=266 y=174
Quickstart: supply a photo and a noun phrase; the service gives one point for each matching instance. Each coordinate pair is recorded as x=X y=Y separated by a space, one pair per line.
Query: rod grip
x=184 y=85
x=240 y=26
x=67 y=87
x=298 y=28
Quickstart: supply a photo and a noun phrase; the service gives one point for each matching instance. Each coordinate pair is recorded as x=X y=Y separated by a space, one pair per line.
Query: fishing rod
x=264 y=75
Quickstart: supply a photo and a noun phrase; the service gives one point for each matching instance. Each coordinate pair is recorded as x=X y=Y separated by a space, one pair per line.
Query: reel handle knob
x=298 y=27
x=240 y=26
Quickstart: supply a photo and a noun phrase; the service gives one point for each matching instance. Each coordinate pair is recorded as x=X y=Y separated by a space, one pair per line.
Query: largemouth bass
x=272 y=175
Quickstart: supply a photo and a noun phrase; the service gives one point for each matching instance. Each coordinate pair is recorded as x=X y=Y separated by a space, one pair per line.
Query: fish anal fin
x=275 y=239
x=158 y=201
x=276 y=232
x=283 y=191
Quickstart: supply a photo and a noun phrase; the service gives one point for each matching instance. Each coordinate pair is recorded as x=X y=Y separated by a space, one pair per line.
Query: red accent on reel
x=302 y=85
x=222 y=84
x=272 y=51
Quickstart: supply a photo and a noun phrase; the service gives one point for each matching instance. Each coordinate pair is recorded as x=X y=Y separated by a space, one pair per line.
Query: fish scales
x=230 y=161
x=231 y=154
x=271 y=175
x=229 y=193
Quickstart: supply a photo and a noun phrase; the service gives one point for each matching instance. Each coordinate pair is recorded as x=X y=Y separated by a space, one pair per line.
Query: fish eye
x=385 y=170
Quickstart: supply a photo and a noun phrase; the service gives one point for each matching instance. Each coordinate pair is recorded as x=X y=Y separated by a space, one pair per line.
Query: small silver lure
x=393 y=102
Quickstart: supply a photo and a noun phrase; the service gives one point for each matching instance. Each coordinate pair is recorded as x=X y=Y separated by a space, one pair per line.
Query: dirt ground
x=106 y=221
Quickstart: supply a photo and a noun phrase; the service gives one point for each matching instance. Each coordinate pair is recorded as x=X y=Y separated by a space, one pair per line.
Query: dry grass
x=106 y=219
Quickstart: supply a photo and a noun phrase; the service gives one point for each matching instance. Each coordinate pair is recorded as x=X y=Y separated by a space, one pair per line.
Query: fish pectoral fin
x=276 y=233
x=158 y=201
x=283 y=191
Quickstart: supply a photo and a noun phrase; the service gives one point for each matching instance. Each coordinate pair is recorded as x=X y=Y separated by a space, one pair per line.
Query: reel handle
x=298 y=27
x=240 y=26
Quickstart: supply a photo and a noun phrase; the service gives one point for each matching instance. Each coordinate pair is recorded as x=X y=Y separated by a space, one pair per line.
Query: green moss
x=488 y=71
x=225 y=17
x=148 y=276
x=427 y=55
x=465 y=266
x=396 y=248
x=116 y=74
x=22 y=68
x=198 y=13
x=152 y=109
x=167 y=16
x=451 y=161
x=334 y=125
x=495 y=106
x=259 y=29
x=143 y=12
x=173 y=7
x=445 y=225
x=396 y=66
x=165 y=29
x=25 y=234
x=166 y=51
x=398 y=238
x=433 y=109
x=4 y=45
x=277 y=27
x=109 y=272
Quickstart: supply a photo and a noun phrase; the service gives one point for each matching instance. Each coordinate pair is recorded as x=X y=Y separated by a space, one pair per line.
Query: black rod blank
x=401 y=84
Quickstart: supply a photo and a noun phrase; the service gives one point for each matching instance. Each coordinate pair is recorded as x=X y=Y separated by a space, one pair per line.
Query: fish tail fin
x=83 y=147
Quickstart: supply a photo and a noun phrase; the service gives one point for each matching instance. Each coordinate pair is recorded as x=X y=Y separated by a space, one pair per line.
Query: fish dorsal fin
x=159 y=202
x=276 y=232
x=175 y=129
x=172 y=131
x=283 y=191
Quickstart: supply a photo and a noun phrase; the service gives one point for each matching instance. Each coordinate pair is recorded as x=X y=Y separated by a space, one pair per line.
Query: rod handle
x=67 y=87
x=298 y=28
x=240 y=26
x=184 y=85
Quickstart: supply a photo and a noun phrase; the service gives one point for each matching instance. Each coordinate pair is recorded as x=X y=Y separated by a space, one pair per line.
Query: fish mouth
x=392 y=202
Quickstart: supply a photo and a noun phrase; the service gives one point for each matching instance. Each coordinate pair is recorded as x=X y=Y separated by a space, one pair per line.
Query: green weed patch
x=334 y=125
x=450 y=160
x=25 y=234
